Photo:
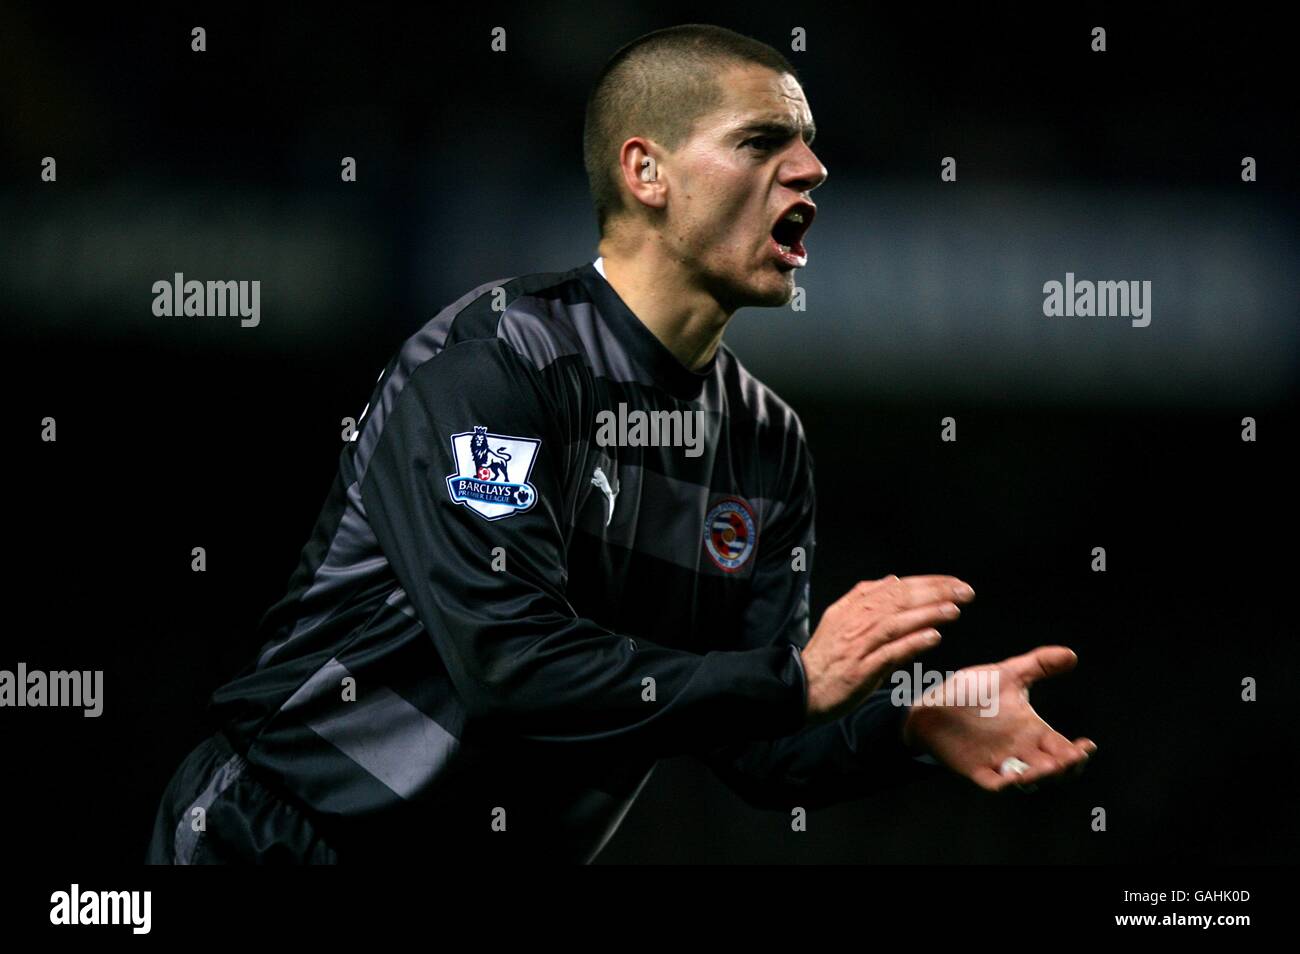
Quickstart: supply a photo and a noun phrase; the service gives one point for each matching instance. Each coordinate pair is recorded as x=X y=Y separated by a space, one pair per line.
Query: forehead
x=751 y=92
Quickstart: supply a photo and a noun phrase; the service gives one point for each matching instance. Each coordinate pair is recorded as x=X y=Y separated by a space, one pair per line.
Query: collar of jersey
x=641 y=343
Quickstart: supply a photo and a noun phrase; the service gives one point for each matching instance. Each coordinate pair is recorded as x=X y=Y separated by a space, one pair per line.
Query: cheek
x=733 y=224
x=719 y=200
x=721 y=213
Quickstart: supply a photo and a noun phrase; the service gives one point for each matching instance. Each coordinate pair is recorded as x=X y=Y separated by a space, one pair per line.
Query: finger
x=894 y=654
x=1064 y=751
x=911 y=591
x=1087 y=747
x=929 y=587
x=1026 y=767
x=989 y=780
x=866 y=586
x=1041 y=663
x=907 y=622
x=1055 y=746
x=1041 y=765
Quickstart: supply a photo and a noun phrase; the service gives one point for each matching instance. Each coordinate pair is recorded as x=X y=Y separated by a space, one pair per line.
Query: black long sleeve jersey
x=533 y=578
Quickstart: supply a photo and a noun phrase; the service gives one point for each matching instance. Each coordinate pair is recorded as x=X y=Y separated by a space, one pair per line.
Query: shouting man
x=509 y=610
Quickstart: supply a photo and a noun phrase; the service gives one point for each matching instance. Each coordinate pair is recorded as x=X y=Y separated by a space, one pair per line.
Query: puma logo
x=599 y=480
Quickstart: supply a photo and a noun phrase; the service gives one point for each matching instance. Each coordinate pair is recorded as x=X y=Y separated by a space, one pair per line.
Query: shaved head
x=657 y=86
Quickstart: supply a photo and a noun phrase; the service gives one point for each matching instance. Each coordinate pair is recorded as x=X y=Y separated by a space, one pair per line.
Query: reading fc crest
x=730 y=533
x=492 y=473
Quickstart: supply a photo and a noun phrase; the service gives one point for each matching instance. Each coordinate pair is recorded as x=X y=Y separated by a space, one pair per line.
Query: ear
x=639 y=164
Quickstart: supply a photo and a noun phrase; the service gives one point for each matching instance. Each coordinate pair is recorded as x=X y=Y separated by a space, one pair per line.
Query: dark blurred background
x=924 y=301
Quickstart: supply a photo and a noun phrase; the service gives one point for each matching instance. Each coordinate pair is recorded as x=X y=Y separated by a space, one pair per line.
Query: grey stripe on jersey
x=382 y=732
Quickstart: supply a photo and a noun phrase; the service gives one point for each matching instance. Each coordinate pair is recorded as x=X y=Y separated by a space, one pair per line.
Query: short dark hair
x=657 y=86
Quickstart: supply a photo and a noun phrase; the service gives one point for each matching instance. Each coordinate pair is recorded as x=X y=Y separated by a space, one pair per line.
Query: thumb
x=1041 y=663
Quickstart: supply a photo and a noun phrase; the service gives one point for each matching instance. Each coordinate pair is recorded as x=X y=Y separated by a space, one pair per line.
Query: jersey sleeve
x=487 y=575
x=856 y=755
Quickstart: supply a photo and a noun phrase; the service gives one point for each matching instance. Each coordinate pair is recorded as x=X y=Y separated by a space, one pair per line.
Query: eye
x=761 y=143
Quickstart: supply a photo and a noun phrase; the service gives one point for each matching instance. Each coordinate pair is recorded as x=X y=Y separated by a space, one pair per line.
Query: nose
x=804 y=172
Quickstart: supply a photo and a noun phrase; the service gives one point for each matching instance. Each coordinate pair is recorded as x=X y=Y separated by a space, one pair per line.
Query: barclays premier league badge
x=492 y=473
x=730 y=533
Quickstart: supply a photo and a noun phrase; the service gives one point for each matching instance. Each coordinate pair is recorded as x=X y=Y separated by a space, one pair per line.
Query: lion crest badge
x=492 y=472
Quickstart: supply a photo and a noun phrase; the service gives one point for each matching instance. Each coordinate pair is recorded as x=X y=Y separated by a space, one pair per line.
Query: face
x=734 y=184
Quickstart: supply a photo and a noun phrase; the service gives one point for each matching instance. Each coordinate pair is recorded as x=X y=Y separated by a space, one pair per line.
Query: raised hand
x=1013 y=747
x=871 y=630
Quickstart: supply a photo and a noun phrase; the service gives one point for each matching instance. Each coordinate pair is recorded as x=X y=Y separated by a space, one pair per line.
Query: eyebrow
x=779 y=129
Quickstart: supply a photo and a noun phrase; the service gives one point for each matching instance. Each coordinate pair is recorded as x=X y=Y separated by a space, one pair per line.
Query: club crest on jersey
x=492 y=472
x=730 y=533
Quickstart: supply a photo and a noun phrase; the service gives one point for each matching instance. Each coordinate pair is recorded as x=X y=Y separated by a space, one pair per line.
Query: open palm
x=979 y=747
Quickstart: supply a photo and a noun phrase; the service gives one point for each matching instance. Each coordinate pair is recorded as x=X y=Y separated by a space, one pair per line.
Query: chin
x=775 y=293
x=772 y=288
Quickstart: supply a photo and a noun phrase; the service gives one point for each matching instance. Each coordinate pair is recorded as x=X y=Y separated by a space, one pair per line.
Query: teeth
x=784 y=248
x=794 y=216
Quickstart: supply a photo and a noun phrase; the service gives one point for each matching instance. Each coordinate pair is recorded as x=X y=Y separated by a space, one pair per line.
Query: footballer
x=505 y=616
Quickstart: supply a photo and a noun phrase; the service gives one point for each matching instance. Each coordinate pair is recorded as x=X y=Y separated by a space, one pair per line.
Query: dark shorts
x=242 y=821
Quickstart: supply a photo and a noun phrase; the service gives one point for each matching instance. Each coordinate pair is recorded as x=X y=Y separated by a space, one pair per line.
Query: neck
x=667 y=300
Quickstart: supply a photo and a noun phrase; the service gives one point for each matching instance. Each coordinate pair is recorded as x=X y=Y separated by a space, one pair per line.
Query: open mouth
x=788 y=233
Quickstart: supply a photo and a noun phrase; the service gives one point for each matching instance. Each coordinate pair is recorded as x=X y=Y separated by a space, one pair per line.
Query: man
x=520 y=595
